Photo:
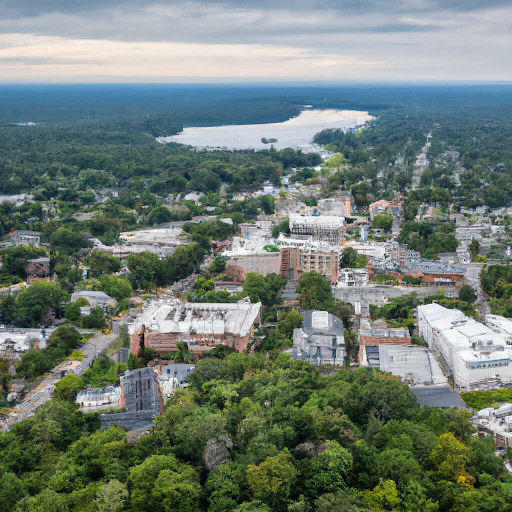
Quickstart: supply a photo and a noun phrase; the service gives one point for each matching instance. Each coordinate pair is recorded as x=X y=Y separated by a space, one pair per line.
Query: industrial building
x=475 y=356
x=200 y=325
x=321 y=339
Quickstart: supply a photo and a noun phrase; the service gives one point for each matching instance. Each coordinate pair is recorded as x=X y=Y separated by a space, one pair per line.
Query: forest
x=295 y=437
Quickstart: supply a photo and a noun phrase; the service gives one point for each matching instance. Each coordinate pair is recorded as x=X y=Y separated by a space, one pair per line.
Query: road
x=473 y=278
x=421 y=164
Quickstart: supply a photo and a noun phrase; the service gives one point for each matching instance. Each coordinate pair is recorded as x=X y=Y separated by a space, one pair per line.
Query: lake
x=297 y=132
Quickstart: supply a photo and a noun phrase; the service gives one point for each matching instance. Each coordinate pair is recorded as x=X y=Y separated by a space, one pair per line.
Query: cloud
x=355 y=39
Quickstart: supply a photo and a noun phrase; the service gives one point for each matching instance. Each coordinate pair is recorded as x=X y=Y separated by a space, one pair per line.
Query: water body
x=297 y=132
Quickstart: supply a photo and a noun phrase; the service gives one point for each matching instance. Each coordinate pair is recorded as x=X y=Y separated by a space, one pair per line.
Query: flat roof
x=438 y=396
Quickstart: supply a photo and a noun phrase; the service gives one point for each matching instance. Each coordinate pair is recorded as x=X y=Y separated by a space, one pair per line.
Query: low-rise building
x=23 y=237
x=94 y=298
x=200 y=325
x=371 y=337
x=95 y=399
x=37 y=269
x=384 y=207
x=352 y=277
x=320 y=340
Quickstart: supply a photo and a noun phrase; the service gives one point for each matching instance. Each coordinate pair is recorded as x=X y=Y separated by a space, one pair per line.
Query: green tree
x=164 y=484
x=103 y=263
x=315 y=292
x=383 y=222
x=114 y=286
x=474 y=248
x=272 y=480
x=67 y=387
x=467 y=294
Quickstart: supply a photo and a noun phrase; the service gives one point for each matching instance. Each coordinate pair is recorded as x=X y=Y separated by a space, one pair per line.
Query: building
x=437 y=273
x=38 y=269
x=322 y=228
x=414 y=365
x=371 y=337
x=23 y=237
x=352 y=277
x=476 y=356
x=324 y=261
x=142 y=398
x=95 y=399
x=339 y=206
x=232 y=287
x=384 y=207
x=200 y=325
x=94 y=299
x=258 y=262
x=173 y=376
x=320 y=340
x=290 y=263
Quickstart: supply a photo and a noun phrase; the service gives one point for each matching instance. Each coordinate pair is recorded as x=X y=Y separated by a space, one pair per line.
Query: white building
x=325 y=228
x=476 y=356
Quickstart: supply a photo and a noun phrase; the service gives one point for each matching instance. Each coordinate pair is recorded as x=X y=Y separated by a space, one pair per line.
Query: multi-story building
x=320 y=340
x=323 y=261
x=322 y=228
x=476 y=356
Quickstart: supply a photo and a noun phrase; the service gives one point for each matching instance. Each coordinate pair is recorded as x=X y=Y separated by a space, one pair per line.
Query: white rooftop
x=331 y=221
x=201 y=318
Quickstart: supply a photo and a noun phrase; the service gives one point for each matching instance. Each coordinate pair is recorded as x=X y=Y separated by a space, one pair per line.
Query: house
x=37 y=269
x=94 y=299
x=23 y=237
x=320 y=340
x=384 y=207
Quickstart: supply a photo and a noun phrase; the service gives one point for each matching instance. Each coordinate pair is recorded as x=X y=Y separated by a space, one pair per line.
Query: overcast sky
x=278 y=40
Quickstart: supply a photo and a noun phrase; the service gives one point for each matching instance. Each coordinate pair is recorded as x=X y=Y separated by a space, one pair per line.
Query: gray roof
x=39 y=260
x=25 y=232
x=322 y=323
x=438 y=396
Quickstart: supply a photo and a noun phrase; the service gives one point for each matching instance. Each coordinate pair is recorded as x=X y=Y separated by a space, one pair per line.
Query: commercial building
x=323 y=228
x=200 y=325
x=474 y=355
x=320 y=340
x=324 y=261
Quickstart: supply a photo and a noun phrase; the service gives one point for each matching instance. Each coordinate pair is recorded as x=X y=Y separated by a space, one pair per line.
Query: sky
x=262 y=40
